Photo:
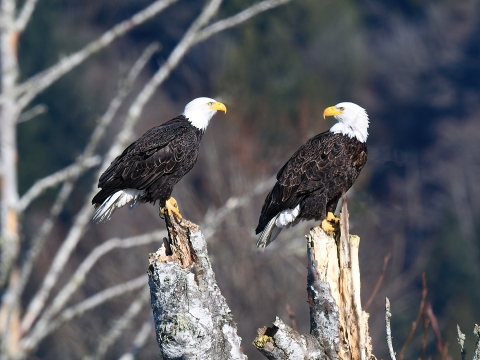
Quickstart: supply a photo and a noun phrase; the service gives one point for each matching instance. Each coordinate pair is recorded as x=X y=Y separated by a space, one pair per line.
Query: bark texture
x=338 y=325
x=192 y=318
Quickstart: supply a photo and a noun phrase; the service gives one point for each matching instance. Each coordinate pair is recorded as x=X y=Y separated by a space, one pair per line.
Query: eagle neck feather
x=352 y=131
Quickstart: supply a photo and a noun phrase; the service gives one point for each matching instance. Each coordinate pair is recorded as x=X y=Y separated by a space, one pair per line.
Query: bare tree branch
x=32 y=87
x=239 y=18
x=115 y=104
x=214 y=218
x=63 y=254
x=421 y=310
x=29 y=342
x=31 y=113
x=25 y=15
x=119 y=326
x=386 y=258
x=139 y=340
x=388 y=316
x=71 y=171
x=461 y=342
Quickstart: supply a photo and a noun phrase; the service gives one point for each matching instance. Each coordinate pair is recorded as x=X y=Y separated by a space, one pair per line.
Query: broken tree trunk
x=192 y=318
x=338 y=325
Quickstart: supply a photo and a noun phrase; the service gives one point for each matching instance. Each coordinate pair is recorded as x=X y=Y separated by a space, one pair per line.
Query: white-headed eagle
x=310 y=184
x=149 y=168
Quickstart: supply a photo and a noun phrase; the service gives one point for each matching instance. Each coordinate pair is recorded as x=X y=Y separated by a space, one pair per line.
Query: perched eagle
x=310 y=184
x=149 y=168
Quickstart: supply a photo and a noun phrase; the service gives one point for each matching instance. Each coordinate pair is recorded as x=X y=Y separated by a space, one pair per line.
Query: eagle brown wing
x=159 y=158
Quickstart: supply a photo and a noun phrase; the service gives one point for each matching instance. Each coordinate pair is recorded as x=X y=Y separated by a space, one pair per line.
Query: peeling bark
x=192 y=318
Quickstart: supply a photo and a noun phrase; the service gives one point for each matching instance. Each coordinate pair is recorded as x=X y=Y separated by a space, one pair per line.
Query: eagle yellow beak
x=219 y=107
x=330 y=111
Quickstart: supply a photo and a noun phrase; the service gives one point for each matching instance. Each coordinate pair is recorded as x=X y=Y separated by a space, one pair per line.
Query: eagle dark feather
x=315 y=177
x=154 y=163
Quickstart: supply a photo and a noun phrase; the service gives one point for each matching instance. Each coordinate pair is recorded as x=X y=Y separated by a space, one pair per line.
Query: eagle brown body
x=154 y=163
x=315 y=177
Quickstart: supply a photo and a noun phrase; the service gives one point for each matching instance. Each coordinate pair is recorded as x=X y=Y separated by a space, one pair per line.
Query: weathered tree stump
x=192 y=318
x=338 y=325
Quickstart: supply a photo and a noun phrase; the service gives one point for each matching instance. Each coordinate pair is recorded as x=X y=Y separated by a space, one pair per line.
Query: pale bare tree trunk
x=9 y=112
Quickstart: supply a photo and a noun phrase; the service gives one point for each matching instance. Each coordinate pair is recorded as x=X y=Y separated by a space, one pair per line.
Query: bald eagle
x=310 y=184
x=149 y=168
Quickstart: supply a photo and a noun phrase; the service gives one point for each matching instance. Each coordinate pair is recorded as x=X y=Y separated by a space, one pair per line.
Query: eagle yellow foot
x=331 y=223
x=171 y=206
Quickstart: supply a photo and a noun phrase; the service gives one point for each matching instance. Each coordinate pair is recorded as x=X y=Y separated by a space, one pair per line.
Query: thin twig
x=461 y=342
x=214 y=218
x=239 y=18
x=442 y=348
x=421 y=310
x=388 y=315
x=119 y=326
x=426 y=324
x=71 y=171
x=379 y=281
x=25 y=15
x=140 y=340
x=31 y=113
x=291 y=315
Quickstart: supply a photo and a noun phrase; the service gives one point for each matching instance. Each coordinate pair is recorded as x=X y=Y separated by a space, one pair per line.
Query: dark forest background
x=415 y=67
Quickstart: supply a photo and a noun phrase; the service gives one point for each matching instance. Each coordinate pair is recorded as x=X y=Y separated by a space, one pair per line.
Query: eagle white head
x=200 y=110
x=352 y=120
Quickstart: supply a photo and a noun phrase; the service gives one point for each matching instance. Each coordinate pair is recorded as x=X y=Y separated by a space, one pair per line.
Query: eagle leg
x=331 y=223
x=171 y=205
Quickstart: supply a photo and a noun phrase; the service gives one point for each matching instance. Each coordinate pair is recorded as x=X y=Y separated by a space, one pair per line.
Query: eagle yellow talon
x=171 y=205
x=331 y=223
x=332 y=218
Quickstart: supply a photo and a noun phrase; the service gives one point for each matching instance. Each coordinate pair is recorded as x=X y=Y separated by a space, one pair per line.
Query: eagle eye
x=210 y=103
x=342 y=108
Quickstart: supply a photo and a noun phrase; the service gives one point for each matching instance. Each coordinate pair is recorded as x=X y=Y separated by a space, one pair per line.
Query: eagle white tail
x=268 y=234
x=115 y=201
x=284 y=219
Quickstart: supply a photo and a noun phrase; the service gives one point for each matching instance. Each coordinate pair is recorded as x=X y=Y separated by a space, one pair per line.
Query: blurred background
x=413 y=65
